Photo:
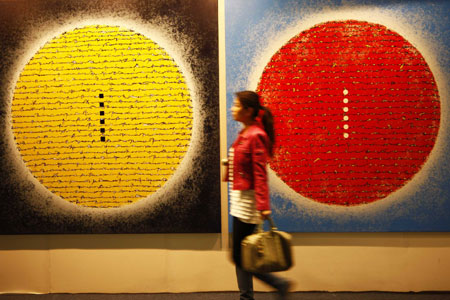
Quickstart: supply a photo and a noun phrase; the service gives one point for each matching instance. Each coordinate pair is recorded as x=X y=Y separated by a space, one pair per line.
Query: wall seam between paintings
x=223 y=125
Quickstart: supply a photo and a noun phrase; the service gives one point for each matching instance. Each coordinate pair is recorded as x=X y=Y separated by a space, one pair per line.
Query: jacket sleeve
x=259 y=161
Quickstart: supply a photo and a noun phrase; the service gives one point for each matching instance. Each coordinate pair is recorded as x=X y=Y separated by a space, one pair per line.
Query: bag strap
x=273 y=227
x=259 y=227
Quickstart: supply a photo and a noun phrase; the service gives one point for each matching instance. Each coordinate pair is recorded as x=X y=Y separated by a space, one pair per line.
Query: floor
x=235 y=296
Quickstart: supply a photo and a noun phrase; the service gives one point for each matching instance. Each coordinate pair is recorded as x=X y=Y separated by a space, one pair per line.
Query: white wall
x=195 y=262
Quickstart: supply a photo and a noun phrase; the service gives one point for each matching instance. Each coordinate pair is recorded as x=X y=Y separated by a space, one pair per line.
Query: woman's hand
x=265 y=214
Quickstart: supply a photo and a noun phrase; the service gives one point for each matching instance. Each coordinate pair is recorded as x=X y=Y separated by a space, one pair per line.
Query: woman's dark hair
x=250 y=99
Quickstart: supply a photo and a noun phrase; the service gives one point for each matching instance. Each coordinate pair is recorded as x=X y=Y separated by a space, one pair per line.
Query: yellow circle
x=102 y=116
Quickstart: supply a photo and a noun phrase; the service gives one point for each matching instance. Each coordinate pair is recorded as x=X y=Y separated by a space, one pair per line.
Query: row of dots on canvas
x=102 y=118
x=345 y=92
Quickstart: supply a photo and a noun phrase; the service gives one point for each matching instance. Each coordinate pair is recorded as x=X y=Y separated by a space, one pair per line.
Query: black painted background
x=196 y=208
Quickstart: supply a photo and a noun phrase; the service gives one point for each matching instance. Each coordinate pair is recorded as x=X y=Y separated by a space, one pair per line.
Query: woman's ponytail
x=267 y=122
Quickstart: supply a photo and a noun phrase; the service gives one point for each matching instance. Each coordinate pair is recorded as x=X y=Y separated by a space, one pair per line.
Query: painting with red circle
x=356 y=109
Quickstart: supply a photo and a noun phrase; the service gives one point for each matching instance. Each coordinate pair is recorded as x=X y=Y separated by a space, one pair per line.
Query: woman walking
x=249 y=192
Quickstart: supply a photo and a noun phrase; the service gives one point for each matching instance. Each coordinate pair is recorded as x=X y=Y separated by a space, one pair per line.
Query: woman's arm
x=259 y=161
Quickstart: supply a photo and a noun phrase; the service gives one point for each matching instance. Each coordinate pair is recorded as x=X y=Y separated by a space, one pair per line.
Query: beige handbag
x=268 y=251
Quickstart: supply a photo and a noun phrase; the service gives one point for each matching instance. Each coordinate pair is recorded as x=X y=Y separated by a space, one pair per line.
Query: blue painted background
x=426 y=205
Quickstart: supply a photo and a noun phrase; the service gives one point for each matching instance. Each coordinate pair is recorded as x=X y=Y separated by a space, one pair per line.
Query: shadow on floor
x=235 y=296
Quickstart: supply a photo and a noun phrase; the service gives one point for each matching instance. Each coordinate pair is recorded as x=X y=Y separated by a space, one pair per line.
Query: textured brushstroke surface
x=189 y=200
x=356 y=112
x=255 y=33
x=102 y=116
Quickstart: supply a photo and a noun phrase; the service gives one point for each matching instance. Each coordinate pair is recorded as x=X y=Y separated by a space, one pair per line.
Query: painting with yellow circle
x=111 y=118
x=102 y=116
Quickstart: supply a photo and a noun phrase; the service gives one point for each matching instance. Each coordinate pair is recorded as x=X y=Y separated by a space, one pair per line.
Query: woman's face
x=240 y=113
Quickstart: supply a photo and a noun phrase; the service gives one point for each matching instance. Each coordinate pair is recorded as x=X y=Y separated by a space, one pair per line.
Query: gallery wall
x=180 y=263
x=188 y=262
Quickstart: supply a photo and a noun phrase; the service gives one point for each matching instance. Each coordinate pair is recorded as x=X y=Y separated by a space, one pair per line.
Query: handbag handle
x=273 y=227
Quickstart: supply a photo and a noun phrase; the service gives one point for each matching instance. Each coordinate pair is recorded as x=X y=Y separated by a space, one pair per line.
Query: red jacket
x=249 y=164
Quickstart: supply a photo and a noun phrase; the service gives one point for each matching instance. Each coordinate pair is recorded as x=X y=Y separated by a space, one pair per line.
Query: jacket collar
x=251 y=129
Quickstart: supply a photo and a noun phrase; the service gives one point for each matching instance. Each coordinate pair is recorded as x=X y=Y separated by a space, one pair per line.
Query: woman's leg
x=245 y=284
x=244 y=278
x=282 y=285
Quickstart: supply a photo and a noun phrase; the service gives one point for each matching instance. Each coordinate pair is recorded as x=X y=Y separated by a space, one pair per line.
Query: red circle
x=356 y=110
